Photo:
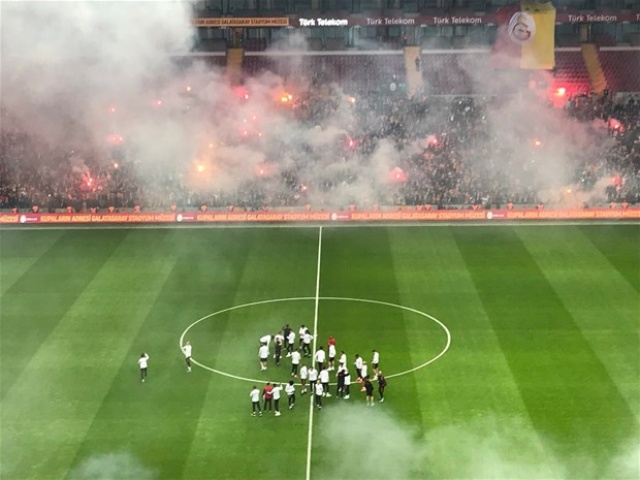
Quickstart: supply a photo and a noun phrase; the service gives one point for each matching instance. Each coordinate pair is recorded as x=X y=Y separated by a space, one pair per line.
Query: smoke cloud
x=362 y=442
x=110 y=466
x=83 y=77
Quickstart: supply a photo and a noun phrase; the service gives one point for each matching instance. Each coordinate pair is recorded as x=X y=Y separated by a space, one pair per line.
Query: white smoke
x=360 y=442
x=111 y=466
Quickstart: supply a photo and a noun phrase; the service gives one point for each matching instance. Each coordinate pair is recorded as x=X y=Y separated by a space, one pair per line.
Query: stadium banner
x=526 y=36
x=241 y=22
x=573 y=17
x=408 y=215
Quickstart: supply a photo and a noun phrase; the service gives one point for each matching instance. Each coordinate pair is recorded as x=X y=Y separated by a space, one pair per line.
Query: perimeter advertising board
x=404 y=215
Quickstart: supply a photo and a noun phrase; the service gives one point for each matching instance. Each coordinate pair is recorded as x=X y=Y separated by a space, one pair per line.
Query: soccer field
x=511 y=351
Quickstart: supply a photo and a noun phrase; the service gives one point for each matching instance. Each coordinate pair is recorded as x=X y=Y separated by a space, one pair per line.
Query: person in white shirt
x=319 y=391
x=320 y=357
x=301 y=331
x=290 y=390
x=278 y=342
x=332 y=357
x=186 y=349
x=313 y=377
x=255 y=401
x=143 y=364
x=358 y=365
x=291 y=339
x=295 y=362
x=364 y=371
x=277 y=389
x=347 y=384
x=277 y=345
x=266 y=339
x=375 y=361
x=306 y=343
x=304 y=374
x=324 y=380
x=343 y=359
x=263 y=355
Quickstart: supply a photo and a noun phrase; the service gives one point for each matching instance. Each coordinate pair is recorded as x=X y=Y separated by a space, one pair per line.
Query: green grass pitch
x=541 y=379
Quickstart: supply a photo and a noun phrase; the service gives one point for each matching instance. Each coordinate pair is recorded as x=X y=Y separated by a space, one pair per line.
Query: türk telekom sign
x=423 y=20
x=488 y=19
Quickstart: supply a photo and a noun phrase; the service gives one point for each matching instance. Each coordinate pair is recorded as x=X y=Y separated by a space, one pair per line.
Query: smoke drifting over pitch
x=357 y=442
x=83 y=76
x=111 y=466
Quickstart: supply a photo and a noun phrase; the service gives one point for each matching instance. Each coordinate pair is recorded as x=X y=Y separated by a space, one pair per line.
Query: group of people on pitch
x=315 y=376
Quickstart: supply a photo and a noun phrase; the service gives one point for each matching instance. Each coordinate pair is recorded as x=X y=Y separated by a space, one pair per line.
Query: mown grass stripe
x=482 y=399
x=34 y=304
x=621 y=246
x=600 y=300
x=46 y=422
x=277 y=264
x=567 y=390
x=359 y=263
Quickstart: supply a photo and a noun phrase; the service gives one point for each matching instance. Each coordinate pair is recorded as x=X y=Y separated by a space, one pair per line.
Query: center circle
x=339 y=299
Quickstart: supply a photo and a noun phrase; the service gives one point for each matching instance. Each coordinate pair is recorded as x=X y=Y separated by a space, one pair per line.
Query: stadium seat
x=622 y=69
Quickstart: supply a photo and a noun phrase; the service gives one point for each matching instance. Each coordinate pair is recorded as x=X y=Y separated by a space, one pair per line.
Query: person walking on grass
x=186 y=349
x=375 y=361
x=301 y=331
x=278 y=342
x=324 y=380
x=295 y=363
x=358 y=365
x=255 y=401
x=306 y=343
x=340 y=388
x=304 y=374
x=143 y=364
x=343 y=359
x=368 y=388
x=263 y=355
x=347 y=384
x=290 y=390
x=332 y=355
x=286 y=330
x=320 y=357
x=382 y=383
x=313 y=378
x=277 y=389
x=290 y=341
x=319 y=392
x=364 y=371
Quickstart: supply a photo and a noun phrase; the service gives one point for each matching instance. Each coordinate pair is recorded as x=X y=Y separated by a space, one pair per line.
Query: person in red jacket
x=267 y=397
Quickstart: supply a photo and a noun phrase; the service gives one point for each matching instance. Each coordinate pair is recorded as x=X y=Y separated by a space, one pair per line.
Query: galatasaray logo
x=522 y=28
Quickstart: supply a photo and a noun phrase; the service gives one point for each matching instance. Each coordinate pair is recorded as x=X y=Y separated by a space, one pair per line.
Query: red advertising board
x=403 y=215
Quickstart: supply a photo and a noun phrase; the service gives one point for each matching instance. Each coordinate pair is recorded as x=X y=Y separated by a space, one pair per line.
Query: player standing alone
x=186 y=349
x=142 y=363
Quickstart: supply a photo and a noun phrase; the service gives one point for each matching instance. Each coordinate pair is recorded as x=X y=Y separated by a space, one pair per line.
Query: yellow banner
x=538 y=53
x=242 y=22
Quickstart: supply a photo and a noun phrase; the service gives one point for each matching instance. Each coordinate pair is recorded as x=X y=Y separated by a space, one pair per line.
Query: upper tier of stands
x=445 y=72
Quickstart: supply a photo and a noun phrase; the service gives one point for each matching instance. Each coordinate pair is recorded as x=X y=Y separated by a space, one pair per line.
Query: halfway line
x=315 y=337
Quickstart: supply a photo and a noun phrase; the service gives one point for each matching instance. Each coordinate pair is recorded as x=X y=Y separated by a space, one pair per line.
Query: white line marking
x=315 y=339
x=294 y=299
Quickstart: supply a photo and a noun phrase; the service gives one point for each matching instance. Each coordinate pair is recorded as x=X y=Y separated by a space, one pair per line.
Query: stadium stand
x=621 y=68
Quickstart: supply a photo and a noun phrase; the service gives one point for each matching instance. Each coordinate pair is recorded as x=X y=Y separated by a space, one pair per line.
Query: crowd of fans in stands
x=458 y=167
